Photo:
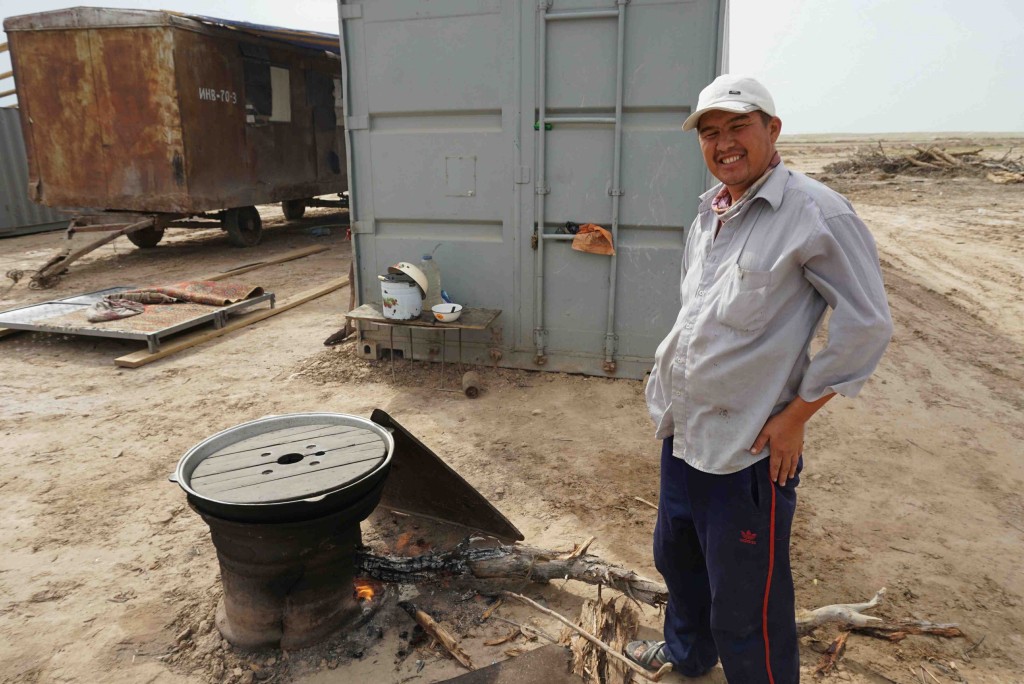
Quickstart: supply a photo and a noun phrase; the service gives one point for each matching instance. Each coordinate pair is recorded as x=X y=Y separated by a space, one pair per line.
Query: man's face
x=737 y=147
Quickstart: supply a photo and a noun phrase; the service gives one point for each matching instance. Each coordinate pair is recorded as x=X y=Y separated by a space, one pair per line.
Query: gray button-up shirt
x=752 y=300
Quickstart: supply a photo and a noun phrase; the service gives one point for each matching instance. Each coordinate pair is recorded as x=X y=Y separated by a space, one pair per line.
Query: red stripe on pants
x=768 y=584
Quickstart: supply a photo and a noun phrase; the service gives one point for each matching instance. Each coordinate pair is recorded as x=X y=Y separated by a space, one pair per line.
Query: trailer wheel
x=293 y=209
x=243 y=226
x=147 y=238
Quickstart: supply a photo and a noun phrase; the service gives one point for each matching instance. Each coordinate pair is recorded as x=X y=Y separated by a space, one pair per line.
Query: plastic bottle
x=433 y=273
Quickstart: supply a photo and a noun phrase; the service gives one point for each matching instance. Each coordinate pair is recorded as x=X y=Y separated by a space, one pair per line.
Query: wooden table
x=471 y=319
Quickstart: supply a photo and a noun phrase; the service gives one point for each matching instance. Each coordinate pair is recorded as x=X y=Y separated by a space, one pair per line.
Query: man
x=734 y=384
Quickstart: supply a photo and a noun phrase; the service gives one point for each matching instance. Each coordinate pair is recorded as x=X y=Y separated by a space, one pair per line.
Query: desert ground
x=106 y=575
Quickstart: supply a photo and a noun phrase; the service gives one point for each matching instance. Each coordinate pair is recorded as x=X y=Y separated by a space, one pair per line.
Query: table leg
x=461 y=369
x=444 y=340
x=391 y=351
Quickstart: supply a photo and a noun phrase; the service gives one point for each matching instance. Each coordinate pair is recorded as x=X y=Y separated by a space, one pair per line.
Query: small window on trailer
x=268 y=96
x=281 y=93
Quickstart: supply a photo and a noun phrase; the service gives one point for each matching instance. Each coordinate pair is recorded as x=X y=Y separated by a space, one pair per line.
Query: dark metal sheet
x=422 y=484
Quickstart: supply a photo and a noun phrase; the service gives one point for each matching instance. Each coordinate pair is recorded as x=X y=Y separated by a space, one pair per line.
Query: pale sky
x=833 y=66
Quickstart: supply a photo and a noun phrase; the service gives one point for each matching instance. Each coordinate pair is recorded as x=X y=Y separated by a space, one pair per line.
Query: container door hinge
x=357 y=123
x=616 y=192
x=351 y=11
x=540 y=337
x=542 y=190
x=523 y=175
x=611 y=345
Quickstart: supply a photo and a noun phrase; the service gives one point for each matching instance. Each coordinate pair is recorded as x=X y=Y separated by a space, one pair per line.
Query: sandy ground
x=914 y=486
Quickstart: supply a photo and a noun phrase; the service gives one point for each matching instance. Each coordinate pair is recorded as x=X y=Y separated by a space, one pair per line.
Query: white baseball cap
x=733 y=94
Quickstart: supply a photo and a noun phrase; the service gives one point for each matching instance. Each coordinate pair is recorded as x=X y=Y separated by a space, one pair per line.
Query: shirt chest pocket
x=744 y=300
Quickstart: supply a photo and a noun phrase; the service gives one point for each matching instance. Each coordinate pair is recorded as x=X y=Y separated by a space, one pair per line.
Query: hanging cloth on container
x=594 y=239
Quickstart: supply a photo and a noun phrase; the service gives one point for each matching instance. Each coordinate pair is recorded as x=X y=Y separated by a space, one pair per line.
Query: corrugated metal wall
x=18 y=214
x=443 y=103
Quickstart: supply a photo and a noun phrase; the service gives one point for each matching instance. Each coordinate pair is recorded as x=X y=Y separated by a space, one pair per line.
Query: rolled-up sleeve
x=842 y=265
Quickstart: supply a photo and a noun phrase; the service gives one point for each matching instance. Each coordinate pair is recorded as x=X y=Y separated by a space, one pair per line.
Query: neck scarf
x=723 y=205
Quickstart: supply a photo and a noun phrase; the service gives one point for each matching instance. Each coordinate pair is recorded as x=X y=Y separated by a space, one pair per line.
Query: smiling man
x=734 y=384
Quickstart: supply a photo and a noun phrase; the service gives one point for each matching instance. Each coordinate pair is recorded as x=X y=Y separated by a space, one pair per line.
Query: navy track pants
x=722 y=545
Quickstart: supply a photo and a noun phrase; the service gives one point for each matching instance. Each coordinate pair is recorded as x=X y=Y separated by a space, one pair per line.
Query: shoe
x=650 y=655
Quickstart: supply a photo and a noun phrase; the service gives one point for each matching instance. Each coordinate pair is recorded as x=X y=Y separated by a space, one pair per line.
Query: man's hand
x=784 y=435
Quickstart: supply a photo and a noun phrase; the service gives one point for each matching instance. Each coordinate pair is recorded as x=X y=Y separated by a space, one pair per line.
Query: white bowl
x=447 y=313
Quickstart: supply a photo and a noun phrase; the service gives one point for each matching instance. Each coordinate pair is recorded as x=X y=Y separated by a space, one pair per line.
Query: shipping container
x=154 y=112
x=18 y=214
x=485 y=126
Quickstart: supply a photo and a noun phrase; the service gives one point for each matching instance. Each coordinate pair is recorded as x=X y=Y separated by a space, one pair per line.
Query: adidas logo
x=748 y=537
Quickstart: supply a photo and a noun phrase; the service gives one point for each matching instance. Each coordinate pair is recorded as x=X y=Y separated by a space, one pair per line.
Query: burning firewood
x=517 y=561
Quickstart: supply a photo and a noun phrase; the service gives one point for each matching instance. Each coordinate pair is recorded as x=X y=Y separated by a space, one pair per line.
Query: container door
x=432 y=117
x=669 y=54
x=444 y=107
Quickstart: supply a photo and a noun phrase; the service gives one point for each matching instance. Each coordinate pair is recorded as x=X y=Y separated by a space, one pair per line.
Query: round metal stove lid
x=279 y=464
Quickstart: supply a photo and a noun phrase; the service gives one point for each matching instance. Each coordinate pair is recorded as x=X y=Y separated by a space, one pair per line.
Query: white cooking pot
x=402 y=298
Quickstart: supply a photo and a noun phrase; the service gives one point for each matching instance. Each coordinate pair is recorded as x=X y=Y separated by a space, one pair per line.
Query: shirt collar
x=771 y=191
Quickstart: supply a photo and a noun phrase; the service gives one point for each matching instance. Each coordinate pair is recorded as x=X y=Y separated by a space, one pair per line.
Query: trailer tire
x=293 y=209
x=243 y=226
x=147 y=238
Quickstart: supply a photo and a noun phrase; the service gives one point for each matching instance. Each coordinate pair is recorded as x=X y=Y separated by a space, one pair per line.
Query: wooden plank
x=214 y=464
x=301 y=480
x=272 y=471
x=176 y=344
x=287 y=256
x=6 y=74
x=471 y=319
x=229 y=477
x=282 y=436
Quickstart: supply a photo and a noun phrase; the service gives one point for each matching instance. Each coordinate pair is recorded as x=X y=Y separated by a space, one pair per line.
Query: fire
x=407 y=545
x=364 y=590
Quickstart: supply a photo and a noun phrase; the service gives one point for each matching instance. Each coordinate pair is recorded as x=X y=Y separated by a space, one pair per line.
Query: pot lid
x=275 y=460
x=413 y=272
x=396 y=278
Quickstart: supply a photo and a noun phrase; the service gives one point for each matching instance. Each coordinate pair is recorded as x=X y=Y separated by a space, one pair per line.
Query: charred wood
x=514 y=562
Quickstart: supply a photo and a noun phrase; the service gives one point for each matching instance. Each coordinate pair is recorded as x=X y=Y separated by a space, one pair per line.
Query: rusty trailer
x=153 y=117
